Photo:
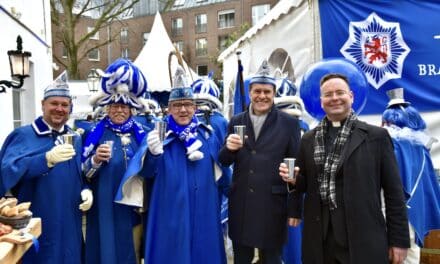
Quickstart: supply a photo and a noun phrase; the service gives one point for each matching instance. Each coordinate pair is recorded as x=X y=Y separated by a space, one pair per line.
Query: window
x=201 y=47
x=226 y=19
x=93 y=55
x=64 y=55
x=222 y=43
x=177 y=27
x=179 y=2
x=202 y=70
x=145 y=37
x=124 y=53
x=16 y=107
x=258 y=12
x=201 y=23
x=124 y=35
x=96 y=36
x=179 y=45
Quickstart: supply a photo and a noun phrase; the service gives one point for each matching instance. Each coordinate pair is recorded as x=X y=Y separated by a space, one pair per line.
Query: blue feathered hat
x=285 y=96
x=285 y=87
x=206 y=92
x=263 y=75
x=123 y=83
x=181 y=90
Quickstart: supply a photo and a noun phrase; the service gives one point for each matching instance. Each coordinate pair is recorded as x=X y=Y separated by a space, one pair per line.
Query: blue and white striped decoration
x=123 y=82
x=285 y=87
x=207 y=92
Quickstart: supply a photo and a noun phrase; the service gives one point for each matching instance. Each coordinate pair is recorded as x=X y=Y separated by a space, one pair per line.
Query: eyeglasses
x=178 y=106
x=119 y=106
x=338 y=93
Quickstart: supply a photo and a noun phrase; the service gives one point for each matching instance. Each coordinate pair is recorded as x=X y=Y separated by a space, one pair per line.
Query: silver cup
x=110 y=144
x=68 y=139
x=241 y=131
x=161 y=127
x=290 y=162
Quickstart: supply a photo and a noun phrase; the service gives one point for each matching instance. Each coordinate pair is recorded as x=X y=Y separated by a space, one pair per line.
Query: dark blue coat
x=258 y=196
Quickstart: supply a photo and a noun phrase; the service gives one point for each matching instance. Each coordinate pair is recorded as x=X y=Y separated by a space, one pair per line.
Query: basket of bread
x=14 y=214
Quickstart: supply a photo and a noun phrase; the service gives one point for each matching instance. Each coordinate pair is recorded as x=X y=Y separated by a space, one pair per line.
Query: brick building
x=199 y=28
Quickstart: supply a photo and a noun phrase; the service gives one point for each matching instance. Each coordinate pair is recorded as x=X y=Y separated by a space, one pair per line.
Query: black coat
x=368 y=165
x=258 y=196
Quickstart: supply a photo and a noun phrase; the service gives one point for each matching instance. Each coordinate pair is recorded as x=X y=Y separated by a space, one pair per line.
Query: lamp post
x=93 y=80
x=19 y=64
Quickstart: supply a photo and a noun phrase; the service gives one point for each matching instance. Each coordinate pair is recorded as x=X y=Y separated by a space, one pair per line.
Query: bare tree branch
x=67 y=15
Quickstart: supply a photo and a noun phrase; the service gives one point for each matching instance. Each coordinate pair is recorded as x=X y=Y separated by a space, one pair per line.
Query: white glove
x=87 y=197
x=154 y=144
x=59 y=153
x=195 y=155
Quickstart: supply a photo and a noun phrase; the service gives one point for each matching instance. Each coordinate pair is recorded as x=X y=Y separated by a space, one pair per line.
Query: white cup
x=290 y=163
x=68 y=138
x=241 y=131
x=110 y=144
x=161 y=127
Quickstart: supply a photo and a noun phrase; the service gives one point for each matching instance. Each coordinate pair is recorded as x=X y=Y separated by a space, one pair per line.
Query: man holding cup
x=38 y=166
x=183 y=223
x=258 y=197
x=114 y=230
x=343 y=167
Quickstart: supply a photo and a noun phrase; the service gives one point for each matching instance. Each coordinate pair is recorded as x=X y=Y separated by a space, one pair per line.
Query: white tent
x=293 y=26
x=287 y=27
x=153 y=60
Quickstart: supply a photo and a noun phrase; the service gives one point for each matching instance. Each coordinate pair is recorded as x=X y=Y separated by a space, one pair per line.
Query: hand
x=233 y=142
x=294 y=222
x=284 y=173
x=397 y=255
x=87 y=198
x=103 y=153
x=154 y=144
x=59 y=153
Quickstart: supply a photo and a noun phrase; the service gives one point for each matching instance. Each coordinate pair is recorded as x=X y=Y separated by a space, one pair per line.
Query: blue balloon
x=310 y=89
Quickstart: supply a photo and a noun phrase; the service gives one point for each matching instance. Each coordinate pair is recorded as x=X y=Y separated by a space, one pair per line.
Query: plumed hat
x=150 y=104
x=58 y=87
x=206 y=92
x=181 y=90
x=285 y=87
x=123 y=83
x=293 y=105
x=396 y=97
x=263 y=75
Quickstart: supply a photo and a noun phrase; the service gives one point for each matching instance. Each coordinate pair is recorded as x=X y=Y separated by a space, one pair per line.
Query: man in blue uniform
x=37 y=166
x=411 y=147
x=114 y=230
x=184 y=212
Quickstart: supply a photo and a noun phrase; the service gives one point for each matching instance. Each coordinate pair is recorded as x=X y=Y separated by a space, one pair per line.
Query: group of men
x=342 y=167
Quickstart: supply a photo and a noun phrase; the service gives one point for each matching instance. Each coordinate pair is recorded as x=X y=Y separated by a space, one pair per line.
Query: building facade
x=199 y=28
x=31 y=21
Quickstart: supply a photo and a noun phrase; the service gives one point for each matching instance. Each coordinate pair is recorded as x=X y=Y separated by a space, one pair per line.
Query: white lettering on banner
x=428 y=69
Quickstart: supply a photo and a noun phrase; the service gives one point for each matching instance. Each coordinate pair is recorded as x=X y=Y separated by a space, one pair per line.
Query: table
x=12 y=253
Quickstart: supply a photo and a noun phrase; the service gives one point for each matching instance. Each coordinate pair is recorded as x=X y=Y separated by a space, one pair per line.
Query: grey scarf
x=327 y=165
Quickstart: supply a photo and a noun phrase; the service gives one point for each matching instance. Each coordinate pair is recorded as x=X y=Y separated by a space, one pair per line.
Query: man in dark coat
x=343 y=166
x=258 y=196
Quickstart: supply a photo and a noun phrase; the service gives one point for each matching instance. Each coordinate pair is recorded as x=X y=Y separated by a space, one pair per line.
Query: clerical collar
x=336 y=124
